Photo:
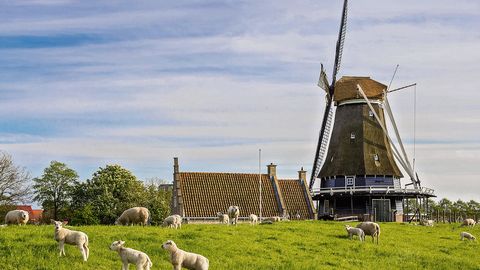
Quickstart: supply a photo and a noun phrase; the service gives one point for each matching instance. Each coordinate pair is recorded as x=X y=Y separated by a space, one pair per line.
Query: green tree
x=53 y=189
x=110 y=191
x=157 y=200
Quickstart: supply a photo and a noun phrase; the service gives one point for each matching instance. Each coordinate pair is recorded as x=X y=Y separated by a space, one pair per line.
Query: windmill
x=356 y=158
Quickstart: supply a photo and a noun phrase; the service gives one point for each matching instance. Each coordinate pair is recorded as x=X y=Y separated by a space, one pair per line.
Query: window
x=370 y=113
x=376 y=158
x=349 y=181
x=352 y=136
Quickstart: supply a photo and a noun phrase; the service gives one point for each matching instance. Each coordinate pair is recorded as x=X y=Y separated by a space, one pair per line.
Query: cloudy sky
x=91 y=83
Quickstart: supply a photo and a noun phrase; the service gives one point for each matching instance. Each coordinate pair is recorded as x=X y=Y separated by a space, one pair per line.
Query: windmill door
x=381 y=208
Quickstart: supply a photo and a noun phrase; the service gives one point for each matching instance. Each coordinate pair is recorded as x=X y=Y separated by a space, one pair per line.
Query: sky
x=91 y=83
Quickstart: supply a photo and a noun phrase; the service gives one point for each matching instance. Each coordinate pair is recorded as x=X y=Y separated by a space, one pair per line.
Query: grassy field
x=287 y=245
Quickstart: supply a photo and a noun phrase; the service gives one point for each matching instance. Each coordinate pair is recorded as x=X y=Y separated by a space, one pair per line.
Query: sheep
x=135 y=215
x=427 y=222
x=467 y=235
x=16 y=217
x=173 y=221
x=468 y=222
x=180 y=258
x=129 y=255
x=233 y=213
x=273 y=219
x=370 y=228
x=253 y=219
x=70 y=237
x=355 y=231
x=223 y=218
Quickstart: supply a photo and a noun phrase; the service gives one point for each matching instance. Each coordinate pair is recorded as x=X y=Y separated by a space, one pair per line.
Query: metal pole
x=260 y=180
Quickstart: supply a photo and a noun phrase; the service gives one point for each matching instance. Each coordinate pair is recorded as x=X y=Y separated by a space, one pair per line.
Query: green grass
x=286 y=245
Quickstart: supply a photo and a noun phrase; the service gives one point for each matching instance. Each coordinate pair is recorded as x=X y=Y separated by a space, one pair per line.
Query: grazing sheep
x=135 y=215
x=129 y=255
x=427 y=222
x=233 y=213
x=222 y=218
x=3 y=225
x=370 y=228
x=273 y=219
x=180 y=258
x=467 y=235
x=66 y=236
x=173 y=221
x=355 y=231
x=468 y=222
x=16 y=217
x=253 y=219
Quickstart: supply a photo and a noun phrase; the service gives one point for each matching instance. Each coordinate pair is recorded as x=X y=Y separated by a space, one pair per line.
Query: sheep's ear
x=121 y=243
x=65 y=222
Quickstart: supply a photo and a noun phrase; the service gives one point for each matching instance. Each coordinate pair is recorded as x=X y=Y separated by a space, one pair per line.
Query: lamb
x=427 y=222
x=253 y=219
x=370 y=228
x=70 y=237
x=468 y=222
x=467 y=235
x=180 y=258
x=135 y=215
x=233 y=213
x=173 y=221
x=16 y=217
x=223 y=218
x=355 y=231
x=129 y=255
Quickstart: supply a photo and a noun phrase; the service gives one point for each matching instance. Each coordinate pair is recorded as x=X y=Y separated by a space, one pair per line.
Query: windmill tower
x=356 y=159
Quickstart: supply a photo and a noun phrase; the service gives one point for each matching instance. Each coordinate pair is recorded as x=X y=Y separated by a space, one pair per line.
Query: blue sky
x=91 y=83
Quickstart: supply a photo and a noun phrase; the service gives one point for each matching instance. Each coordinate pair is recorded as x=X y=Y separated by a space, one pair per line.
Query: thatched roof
x=346 y=88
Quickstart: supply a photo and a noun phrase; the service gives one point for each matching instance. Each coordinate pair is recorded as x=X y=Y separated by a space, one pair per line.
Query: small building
x=199 y=196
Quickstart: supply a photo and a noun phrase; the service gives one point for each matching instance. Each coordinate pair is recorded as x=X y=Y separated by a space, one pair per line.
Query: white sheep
x=135 y=215
x=129 y=255
x=173 y=221
x=17 y=217
x=355 y=231
x=427 y=222
x=467 y=236
x=468 y=222
x=180 y=258
x=66 y=236
x=233 y=213
x=253 y=219
x=273 y=219
x=370 y=228
x=223 y=218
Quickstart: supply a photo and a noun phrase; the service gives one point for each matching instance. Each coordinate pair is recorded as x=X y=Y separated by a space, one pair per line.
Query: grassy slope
x=288 y=245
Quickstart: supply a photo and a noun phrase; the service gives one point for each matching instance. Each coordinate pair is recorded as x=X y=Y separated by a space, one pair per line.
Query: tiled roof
x=294 y=197
x=27 y=208
x=204 y=194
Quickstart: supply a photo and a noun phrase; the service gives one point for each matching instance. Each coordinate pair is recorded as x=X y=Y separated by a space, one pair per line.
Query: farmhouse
x=198 y=196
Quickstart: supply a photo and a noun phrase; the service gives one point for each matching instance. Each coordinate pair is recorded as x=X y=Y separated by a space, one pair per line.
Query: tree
x=14 y=182
x=157 y=200
x=54 y=188
x=111 y=190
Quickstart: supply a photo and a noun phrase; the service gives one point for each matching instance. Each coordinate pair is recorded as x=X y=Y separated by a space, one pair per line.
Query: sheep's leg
x=177 y=267
x=83 y=251
x=86 y=249
x=61 y=247
x=125 y=265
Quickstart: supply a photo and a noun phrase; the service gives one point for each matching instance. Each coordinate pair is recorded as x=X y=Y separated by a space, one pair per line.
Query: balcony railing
x=373 y=189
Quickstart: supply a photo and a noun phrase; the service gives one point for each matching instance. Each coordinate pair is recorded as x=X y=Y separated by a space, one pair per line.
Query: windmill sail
x=323 y=81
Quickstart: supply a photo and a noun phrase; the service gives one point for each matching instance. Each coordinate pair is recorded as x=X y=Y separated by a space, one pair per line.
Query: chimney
x=302 y=175
x=272 y=170
x=175 y=165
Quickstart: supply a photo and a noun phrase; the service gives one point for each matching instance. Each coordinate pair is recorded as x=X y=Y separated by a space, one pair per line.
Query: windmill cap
x=346 y=88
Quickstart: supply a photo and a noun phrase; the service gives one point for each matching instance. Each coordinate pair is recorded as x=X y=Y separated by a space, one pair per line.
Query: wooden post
x=438 y=216
x=443 y=215
x=450 y=216
x=351 y=204
x=454 y=216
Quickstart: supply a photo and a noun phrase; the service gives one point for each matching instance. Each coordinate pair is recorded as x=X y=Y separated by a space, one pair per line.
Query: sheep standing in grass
x=222 y=218
x=427 y=222
x=467 y=236
x=129 y=255
x=468 y=222
x=233 y=213
x=16 y=217
x=355 y=231
x=253 y=219
x=370 y=228
x=135 y=215
x=180 y=258
x=66 y=236
x=173 y=221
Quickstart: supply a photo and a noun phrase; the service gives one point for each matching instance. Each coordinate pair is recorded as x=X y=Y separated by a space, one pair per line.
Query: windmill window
x=352 y=136
x=350 y=181
x=376 y=158
x=370 y=113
